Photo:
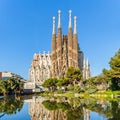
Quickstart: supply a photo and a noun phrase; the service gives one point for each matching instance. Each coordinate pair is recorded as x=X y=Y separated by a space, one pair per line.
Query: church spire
x=75 y=42
x=59 y=22
x=70 y=18
x=53 y=37
x=53 y=32
x=70 y=40
x=75 y=27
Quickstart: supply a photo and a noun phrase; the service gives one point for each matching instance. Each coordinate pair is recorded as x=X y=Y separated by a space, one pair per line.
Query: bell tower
x=54 y=52
x=59 y=45
x=70 y=40
x=65 y=48
x=75 y=44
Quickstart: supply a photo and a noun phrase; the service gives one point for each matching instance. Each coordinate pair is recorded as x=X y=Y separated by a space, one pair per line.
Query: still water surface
x=39 y=108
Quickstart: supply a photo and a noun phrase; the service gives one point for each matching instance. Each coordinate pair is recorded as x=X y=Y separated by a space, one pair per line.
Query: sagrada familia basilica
x=65 y=53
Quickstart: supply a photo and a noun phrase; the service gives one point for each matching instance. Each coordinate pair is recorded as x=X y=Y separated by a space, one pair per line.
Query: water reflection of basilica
x=73 y=109
x=60 y=109
x=38 y=112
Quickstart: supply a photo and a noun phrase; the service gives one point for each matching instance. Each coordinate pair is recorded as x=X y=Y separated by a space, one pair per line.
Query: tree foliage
x=62 y=82
x=50 y=83
x=53 y=105
x=114 y=73
x=10 y=85
x=74 y=75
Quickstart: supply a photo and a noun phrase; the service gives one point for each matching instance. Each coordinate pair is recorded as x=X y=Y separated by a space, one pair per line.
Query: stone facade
x=40 y=68
x=65 y=53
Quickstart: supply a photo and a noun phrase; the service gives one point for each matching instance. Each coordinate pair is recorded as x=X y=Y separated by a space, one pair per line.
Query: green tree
x=50 y=83
x=14 y=85
x=10 y=86
x=62 y=82
x=114 y=73
x=74 y=75
x=90 y=81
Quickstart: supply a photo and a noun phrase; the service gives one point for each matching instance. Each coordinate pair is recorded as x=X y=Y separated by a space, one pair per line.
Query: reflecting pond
x=39 y=108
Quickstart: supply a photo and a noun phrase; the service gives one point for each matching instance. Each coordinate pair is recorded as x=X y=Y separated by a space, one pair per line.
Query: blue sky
x=26 y=28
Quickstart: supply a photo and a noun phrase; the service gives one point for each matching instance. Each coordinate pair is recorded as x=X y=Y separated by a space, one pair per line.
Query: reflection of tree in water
x=111 y=109
x=57 y=109
x=75 y=114
x=53 y=105
x=65 y=110
x=115 y=110
x=76 y=109
x=10 y=105
x=100 y=106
